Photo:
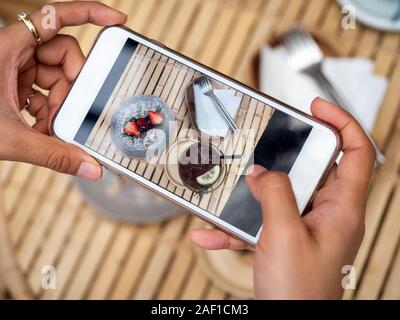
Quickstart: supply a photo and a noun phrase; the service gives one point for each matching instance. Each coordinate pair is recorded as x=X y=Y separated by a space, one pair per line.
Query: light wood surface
x=49 y=223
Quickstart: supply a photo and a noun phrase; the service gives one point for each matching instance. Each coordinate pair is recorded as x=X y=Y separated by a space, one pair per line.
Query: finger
x=274 y=192
x=358 y=160
x=331 y=175
x=26 y=79
x=51 y=18
x=45 y=151
x=38 y=102
x=57 y=95
x=39 y=109
x=47 y=76
x=52 y=78
x=58 y=92
x=62 y=50
x=42 y=120
x=325 y=193
x=213 y=239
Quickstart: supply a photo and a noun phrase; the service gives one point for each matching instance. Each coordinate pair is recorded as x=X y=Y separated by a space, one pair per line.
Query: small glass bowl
x=172 y=165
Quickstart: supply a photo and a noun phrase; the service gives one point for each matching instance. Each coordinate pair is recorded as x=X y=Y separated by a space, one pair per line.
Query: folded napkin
x=208 y=118
x=353 y=77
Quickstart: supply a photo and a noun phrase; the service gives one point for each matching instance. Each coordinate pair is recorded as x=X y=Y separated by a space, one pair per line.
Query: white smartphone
x=134 y=93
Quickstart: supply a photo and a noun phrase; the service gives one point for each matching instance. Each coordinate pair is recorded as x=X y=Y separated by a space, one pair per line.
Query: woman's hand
x=302 y=257
x=52 y=66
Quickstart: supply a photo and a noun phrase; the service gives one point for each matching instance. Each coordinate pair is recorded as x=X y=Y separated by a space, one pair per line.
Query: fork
x=305 y=56
x=206 y=88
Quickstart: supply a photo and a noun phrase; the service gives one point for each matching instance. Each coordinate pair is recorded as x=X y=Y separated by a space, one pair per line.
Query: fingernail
x=321 y=99
x=254 y=171
x=89 y=171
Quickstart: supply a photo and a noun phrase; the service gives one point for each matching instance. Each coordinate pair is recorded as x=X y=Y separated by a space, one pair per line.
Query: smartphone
x=134 y=93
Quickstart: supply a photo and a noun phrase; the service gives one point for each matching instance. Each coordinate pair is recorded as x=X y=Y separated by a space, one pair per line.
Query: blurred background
x=52 y=223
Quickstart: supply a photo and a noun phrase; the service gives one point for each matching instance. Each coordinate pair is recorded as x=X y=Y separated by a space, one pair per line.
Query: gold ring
x=24 y=17
x=28 y=99
x=27 y=103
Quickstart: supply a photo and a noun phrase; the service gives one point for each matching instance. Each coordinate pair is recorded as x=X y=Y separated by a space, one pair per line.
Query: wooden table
x=49 y=222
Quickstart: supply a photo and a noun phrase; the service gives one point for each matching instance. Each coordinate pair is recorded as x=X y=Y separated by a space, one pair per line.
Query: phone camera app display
x=188 y=133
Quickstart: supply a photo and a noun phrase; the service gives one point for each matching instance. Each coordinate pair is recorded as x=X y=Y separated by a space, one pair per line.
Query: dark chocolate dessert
x=200 y=166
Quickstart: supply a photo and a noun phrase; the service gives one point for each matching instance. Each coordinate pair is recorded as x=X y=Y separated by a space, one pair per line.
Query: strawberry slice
x=143 y=125
x=155 y=117
x=132 y=129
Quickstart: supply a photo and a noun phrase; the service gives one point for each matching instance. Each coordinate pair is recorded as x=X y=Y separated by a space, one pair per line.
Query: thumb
x=274 y=192
x=45 y=151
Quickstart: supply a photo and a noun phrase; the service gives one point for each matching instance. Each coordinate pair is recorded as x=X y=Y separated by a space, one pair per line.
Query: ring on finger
x=28 y=99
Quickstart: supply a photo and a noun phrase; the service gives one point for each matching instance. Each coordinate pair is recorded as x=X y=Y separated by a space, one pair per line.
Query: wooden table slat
x=383 y=251
x=91 y=261
x=72 y=253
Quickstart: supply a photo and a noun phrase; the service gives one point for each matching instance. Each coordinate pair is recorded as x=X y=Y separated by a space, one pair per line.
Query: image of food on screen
x=142 y=125
x=201 y=167
x=210 y=105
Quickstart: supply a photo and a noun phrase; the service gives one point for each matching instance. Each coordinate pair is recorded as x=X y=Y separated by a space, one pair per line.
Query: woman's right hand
x=302 y=257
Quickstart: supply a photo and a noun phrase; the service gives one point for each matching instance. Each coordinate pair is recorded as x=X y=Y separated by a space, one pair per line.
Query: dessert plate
x=154 y=138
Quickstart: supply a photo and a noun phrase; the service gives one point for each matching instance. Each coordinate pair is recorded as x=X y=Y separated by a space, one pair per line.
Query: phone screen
x=149 y=99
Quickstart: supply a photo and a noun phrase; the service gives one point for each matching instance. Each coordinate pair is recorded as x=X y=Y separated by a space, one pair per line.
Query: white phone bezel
x=307 y=170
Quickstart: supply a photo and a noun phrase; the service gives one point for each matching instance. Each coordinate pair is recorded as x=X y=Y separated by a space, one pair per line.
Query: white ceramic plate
x=378 y=14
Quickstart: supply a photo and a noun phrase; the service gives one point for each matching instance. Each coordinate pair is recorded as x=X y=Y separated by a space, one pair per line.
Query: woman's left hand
x=52 y=66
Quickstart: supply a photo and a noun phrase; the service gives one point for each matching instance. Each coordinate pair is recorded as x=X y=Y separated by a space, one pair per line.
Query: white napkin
x=354 y=78
x=209 y=119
